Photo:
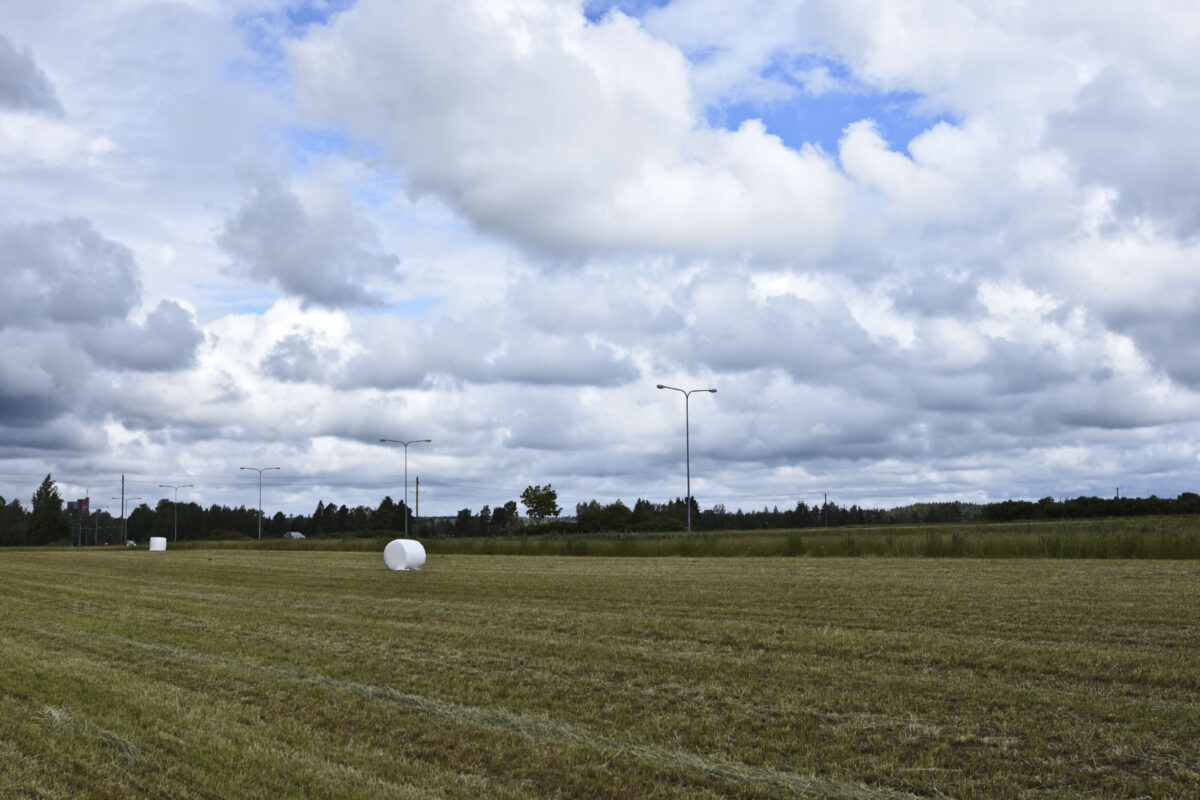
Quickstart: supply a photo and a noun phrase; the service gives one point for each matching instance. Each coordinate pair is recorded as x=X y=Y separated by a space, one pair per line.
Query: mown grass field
x=263 y=673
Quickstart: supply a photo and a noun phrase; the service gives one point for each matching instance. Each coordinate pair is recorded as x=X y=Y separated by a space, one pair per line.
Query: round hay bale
x=416 y=553
x=158 y=543
x=404 y=554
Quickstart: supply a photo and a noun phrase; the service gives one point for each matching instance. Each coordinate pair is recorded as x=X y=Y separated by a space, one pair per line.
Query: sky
x=924 y=250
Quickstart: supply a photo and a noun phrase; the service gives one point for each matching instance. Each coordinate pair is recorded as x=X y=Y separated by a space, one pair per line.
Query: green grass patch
x=209 y=673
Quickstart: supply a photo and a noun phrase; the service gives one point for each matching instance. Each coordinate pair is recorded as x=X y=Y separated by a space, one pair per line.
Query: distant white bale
x=158 y=543
x=404 y=554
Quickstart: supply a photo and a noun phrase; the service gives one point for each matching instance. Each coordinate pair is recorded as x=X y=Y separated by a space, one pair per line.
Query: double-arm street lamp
x=175 y=504
x=124 y=502
x=406 y=444
x=687 y=443
x=260 y=471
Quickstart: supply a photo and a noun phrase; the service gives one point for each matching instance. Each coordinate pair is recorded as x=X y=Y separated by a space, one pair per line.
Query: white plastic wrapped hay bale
x=158 y=544
x=404 y=554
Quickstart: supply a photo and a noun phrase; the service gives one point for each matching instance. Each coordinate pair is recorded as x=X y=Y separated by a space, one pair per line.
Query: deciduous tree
x=540 y=502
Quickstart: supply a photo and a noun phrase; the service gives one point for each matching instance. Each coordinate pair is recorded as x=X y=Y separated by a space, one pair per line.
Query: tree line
x=47 y=521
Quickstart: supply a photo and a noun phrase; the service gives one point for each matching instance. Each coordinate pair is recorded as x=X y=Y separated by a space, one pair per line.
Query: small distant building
x=293 y=535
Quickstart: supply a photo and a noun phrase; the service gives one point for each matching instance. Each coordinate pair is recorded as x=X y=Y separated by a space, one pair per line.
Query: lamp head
x=660 y=386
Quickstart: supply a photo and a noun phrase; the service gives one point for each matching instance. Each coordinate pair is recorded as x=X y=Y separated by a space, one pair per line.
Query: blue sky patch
x=819 y=119
x=413 y=306
x=250 y=300
x=302 y=15
x=822 y=119
x=265 y=32
x=595 y=10
x=305 y=142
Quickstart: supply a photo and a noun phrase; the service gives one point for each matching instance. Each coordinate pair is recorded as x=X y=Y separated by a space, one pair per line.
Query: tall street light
x=687 y=443
x=406 y=444
x=175 y=504
x=260 y=471
x=124 y=526
x=96 y=531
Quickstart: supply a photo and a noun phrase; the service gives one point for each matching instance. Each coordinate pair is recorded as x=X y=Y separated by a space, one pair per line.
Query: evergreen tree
x=164 y=519
x=14 y=523
x=48 y=522
x=140 y=524
x=464 y=522
x=643 y=511
x=402 y=511
x=318 y=519
x=386 y=517
x=358 y=519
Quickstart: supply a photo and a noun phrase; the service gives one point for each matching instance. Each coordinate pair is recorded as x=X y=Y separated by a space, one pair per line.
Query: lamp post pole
x=175 y=502
x=406 y=444
x=260 y=471
x=96 y=530
x=687 y=442
x=124 y=528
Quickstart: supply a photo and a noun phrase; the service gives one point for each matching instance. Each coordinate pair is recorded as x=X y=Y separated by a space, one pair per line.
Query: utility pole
x=417 y=492
x=417 y=516
x=1117 y=489
x=82 y=533
x=123 y=498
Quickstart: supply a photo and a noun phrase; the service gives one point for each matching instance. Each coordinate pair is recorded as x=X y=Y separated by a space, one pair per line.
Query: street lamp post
x=96 y=530
x=260 y=471
x=687 y=443
x=406 y=444
x=175 y=502
x=124 y=527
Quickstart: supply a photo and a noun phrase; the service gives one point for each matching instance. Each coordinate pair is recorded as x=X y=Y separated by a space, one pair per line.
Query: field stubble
x=208 y=674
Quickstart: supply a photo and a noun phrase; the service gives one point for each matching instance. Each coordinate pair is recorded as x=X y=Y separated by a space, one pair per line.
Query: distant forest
x=48 y=520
